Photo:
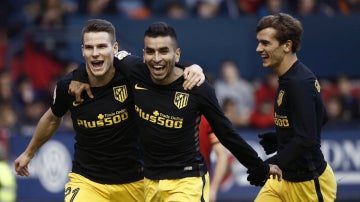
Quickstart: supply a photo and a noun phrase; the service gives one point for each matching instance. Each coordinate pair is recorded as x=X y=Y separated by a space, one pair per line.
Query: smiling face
x=269 y=48
x=98 y=50
x=279 y=38
x=160 y=55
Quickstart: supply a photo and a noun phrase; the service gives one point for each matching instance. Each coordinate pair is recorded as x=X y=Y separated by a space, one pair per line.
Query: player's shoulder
x=122 y=54
x=63 y=83
x=204 y=89
x=126 y=56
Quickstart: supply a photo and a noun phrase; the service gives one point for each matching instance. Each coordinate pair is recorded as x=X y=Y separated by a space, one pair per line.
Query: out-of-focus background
x=40 y=41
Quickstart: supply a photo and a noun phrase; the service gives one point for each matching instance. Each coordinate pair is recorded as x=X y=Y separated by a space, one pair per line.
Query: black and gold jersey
x=169 y=117
x=106 y=141
x=299 y=117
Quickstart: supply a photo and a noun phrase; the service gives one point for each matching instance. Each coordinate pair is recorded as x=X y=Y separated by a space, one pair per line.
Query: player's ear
x=116 y=47
x=177 y=54
x=288 y=46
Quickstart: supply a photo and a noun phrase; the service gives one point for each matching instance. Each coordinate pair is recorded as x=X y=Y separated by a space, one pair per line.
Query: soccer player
x=168 y=119
x=299 y=116
x=107 y=165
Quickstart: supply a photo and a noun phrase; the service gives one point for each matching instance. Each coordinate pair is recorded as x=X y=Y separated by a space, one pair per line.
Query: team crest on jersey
x=121 y=54
x=181 y=99
x=280 y=97
x=317 y=85
x=120 y=93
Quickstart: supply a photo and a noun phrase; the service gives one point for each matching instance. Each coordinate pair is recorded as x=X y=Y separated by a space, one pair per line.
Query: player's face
x=269 y=48
x=160 y=55
x=98 y=52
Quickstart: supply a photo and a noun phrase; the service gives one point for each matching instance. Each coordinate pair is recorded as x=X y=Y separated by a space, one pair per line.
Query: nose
x=157 y=57
x=95 y=52
x=259 y=48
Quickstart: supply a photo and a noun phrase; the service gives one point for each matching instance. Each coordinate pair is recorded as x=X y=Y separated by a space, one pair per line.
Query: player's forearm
x=220 y=166
x=45 y=129
x=293 y=149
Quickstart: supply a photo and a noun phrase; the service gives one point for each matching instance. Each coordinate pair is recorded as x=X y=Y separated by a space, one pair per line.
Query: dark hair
x=161 y=29
x=99 y=25
x=288 y=28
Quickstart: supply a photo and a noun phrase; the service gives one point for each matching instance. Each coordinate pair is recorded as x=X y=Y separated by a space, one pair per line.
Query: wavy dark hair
x=288 y=28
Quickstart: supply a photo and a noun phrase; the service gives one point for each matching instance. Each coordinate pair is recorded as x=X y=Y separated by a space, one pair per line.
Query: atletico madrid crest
x=120 y=93
x=181 y=99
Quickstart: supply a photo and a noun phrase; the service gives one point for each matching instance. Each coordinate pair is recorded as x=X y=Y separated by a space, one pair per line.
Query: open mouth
x=158 y=68
x=97 y=64
x=264 y=56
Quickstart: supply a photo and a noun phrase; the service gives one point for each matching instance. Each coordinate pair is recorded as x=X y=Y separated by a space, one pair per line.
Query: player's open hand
x=194 y=76
x=76 y=88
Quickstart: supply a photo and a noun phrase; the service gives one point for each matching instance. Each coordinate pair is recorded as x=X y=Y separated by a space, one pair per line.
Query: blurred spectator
x=6 y=94
x=311 y=7
x=171 y=8
x=349 y=7
x=176 y=10
x=270 y=7
x=232 y=86
x=342 y=100
x=133 y=9
x=207 y=9
x=213 y=8
x=229 y=108
x=3 y=47
x=328 y=89
x=50 y=25
x=32 y=114
x=350 y=108
x=334 y=110
x=51 y=15
x=248 y=7
x=24 y=93
x=8 y=117
x=96 y=8
x=306 y=7
x=265 y=95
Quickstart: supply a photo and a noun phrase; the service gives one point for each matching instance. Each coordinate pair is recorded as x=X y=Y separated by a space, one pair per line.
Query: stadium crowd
x=26 y=89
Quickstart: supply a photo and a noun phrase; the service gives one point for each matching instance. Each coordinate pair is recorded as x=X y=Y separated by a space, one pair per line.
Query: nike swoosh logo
x=75 y=104
x=137 y=87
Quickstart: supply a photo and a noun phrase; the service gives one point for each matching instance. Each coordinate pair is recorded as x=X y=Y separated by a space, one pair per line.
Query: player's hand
x=76 y=88
x=268 y=142
x=275 y=172
x=194 y=76
x=259 y=175
x=21 y=165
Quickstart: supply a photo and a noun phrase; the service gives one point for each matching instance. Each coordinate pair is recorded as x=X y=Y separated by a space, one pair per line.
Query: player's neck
x=98 y=81
x=286 y=64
